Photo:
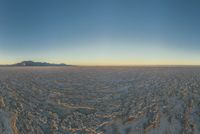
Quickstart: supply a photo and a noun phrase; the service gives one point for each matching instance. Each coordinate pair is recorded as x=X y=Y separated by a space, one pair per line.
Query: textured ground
x=90 y=100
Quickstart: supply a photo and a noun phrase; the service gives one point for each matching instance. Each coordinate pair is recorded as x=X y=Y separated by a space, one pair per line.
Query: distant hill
x=32 y=63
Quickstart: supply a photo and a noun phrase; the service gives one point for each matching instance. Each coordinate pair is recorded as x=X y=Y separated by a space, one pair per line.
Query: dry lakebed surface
x=100 y=100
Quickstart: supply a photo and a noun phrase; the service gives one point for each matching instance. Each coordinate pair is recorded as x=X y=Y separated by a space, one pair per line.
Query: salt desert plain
x=91 y=100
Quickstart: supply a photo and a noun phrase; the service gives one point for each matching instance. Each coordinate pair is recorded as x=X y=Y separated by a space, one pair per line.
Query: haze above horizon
x=100 y=32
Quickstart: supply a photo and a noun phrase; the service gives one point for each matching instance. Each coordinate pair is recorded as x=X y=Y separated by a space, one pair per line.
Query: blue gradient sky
x=100 y=32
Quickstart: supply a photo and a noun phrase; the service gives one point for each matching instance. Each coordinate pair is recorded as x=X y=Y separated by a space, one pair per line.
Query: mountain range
x=32 y=63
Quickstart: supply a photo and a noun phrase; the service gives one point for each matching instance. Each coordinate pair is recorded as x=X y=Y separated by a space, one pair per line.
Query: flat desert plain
x=103 y=100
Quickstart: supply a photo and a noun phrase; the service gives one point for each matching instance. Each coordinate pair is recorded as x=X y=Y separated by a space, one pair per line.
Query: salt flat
x=90 y=100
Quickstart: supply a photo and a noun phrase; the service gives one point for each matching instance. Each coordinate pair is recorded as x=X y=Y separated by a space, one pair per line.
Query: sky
x=100 y=32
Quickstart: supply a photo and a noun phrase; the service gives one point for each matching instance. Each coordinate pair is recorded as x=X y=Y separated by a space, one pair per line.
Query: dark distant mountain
x=32 y=63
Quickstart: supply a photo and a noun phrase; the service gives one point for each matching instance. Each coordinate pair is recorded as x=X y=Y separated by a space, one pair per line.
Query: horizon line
x=112 y=65
x=134 y=65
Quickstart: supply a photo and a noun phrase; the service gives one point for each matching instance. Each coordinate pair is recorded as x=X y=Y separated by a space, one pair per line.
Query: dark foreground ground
x=90 y=100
